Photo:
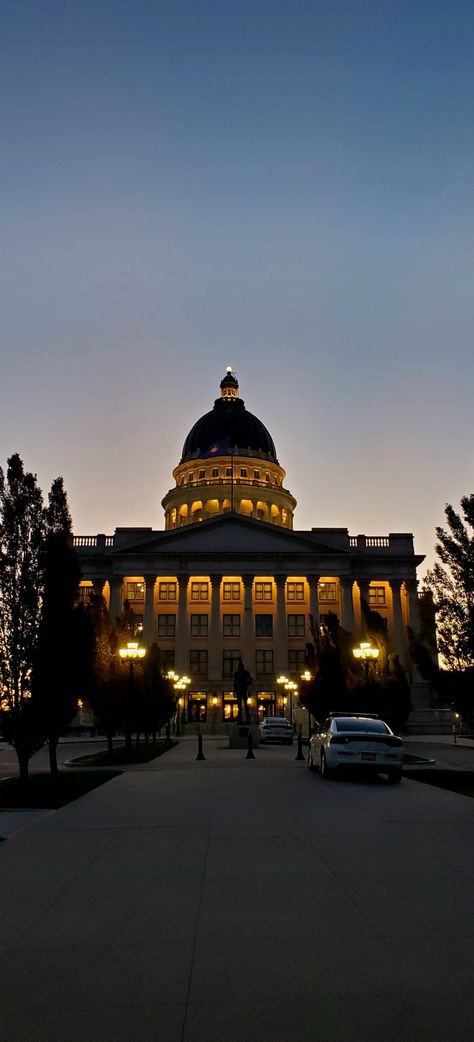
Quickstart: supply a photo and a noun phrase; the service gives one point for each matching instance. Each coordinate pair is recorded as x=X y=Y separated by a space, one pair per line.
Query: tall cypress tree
x=65 y=639
x=22 y=533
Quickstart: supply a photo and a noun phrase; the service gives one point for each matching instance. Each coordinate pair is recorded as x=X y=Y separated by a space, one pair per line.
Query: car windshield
x=276 y=721
x=354 y=724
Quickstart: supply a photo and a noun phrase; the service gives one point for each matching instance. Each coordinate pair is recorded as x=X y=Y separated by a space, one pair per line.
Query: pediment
x=230 y=535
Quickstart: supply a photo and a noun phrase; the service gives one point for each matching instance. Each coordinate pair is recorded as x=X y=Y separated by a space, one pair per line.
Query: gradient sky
x=284 y=187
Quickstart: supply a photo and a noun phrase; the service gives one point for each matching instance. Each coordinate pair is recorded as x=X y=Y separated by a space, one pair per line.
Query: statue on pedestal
x=242 y=682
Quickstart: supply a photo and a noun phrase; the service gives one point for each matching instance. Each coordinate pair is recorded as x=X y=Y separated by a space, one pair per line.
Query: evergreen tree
x=63 y=657
x=22 y=533
x=451 y=582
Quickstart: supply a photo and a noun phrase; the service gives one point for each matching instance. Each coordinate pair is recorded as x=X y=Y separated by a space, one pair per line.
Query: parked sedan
x=276 y=729
x=356 y=741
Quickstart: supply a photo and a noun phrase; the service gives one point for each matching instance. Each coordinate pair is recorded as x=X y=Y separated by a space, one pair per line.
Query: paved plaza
x=236 y=900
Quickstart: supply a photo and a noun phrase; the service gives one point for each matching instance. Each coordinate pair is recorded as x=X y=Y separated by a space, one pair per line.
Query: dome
x=229 y=429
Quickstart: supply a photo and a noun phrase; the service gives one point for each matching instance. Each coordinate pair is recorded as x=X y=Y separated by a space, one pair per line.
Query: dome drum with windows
x=228 y=464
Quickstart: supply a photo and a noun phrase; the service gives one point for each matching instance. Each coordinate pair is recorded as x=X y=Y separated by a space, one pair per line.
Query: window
x=264 y=661
x=138 y=626
x=243 y=472
x=167 y=626
x=377 y=596
x=199 y=625
x=295 y=591
x=230 y=661
x=256 y=475
x=199 y=591
x=263 y=591
x=202 y=473
x=190 y=478
x=136 y=591
x=167 y=660
x=296 y=661
x=231 y=625
x=327 y=591
x=167 y=592
x=197 y=707
x=230 y=706
x=84 y=594
x=267 y=477
x=263 y=625
x=231 y=592
x=198 y=662
x=296 y=626
x=228 y=472
x=215 y=472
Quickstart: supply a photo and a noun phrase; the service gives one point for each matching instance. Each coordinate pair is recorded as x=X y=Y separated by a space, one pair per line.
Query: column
x=363 y=585
x=347 y=620
x=247 y=642
x=181 y=656
x=413 y=609
x=313 y=581
x=149 y=634
x=214 y=665
x=115 y=609
x=98 y=587
x=280 y=662
x=396 y=627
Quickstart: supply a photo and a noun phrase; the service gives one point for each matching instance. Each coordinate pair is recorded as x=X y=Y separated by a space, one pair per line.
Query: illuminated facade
x=229 y=577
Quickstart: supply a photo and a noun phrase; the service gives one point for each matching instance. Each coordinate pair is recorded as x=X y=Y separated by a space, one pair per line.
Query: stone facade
x=231 y=583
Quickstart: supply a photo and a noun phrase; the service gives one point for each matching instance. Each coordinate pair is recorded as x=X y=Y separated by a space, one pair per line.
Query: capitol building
x=230 y=577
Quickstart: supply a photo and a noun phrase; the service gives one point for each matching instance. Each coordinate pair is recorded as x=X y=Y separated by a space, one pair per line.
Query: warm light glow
x=306 y=675
x=80 y=704
x=282 y=679
x=132 y=651
x=214 y=701
x=365 y=651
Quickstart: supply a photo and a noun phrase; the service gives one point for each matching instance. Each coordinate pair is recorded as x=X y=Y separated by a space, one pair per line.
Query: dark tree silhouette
x=63 y=657
x=451 y=582
x=22 y=532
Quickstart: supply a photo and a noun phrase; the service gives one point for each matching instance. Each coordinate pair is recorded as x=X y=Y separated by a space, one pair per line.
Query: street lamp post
x=283 y=681
x=307 y=677
x=366 y=654
x=180 y=684
x=130 y=654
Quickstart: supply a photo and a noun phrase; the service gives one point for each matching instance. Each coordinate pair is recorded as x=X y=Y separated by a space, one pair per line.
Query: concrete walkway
x=236 y=900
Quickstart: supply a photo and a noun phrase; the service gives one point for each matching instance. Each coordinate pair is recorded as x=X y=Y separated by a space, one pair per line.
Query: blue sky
x=284 y=187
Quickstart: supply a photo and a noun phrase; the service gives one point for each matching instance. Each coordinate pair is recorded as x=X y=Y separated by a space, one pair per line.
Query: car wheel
x=311 y=766
x=394 y=775
x=325 y=771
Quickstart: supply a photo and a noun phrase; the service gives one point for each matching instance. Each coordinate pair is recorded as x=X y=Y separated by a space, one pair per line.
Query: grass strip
x=142 y=753
x=456 y=781
x=43 y=791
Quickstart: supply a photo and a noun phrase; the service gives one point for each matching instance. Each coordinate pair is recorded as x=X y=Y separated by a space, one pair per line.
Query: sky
x=282 y=186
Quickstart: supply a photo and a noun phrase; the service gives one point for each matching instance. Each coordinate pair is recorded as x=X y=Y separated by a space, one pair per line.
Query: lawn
x=44 y=791
x=142 y=753
x=456 y=781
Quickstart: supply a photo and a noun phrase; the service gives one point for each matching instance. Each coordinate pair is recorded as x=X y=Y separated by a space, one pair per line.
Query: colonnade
x=402 y=610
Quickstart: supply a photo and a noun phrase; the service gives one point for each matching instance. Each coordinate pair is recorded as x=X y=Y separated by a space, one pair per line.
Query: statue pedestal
x=239 y=735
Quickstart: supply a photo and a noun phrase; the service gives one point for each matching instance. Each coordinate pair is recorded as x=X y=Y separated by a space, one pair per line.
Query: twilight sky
x=284 y=186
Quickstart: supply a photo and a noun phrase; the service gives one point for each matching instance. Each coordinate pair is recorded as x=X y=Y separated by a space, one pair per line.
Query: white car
x=276 y=729
x=356 y=741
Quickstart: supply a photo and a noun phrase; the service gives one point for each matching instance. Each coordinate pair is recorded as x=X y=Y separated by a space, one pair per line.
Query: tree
x=108 y=688
x=451 y=582
x=22 y=533
x=63 y=657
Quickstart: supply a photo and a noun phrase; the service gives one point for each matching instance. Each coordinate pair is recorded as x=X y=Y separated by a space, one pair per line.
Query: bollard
x=250 y=753
x=300 y=755
x=200 y=754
